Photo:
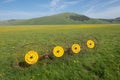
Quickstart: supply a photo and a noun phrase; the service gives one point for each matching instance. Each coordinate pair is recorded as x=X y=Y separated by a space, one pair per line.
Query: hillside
x=63 y=18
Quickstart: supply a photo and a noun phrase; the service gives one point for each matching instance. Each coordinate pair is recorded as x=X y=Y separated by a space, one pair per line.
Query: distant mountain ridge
x=63 y=18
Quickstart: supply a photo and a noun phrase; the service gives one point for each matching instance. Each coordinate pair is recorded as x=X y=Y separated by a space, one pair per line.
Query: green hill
x=64 y=18
x=11 y=21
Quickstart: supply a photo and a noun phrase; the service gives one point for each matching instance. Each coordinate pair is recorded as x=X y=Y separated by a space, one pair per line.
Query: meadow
x=99 y=63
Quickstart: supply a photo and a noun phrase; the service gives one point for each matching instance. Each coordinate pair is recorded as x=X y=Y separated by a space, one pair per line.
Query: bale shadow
x=23 y=64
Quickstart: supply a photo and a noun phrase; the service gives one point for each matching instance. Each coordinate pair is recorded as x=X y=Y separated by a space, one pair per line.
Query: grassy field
x=100 y=63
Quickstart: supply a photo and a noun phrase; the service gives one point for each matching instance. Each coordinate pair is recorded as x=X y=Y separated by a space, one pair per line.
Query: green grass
x=100 y=63
x=63 y=19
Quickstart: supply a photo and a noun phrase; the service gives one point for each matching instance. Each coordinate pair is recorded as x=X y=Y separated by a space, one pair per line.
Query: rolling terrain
x=61 y=19
x=99 y=63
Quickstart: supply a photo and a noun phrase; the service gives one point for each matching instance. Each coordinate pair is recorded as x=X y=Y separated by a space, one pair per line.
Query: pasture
x=99 y=63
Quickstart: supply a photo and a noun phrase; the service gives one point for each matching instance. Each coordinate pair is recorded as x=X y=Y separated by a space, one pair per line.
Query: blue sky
x=25 y=9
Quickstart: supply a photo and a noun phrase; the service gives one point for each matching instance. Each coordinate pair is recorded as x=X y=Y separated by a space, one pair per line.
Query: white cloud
x=103 y=10
x=89 y=10
x=71 y=2
x=57 y=5
x=54 y=3
x=8 y=1
x=96 y=5
x=67 y=4
x=111 y=12
x=97 y=9
x=5 y=15
x=110 y=2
